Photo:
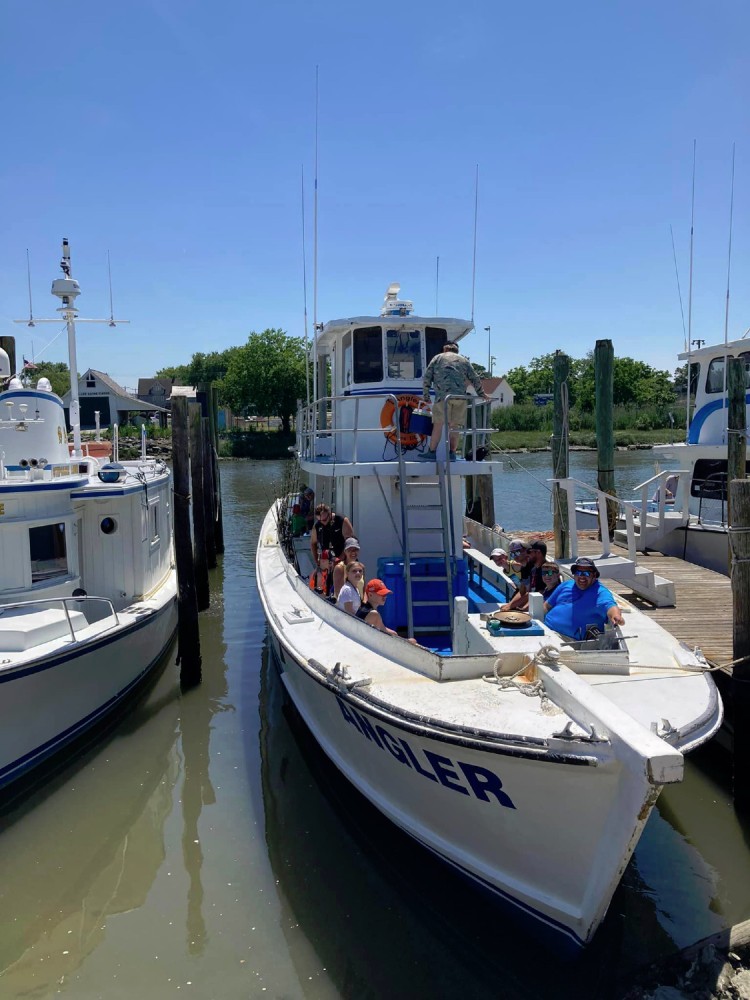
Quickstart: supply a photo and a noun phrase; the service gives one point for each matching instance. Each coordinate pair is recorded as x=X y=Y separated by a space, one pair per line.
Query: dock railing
x=628 y=510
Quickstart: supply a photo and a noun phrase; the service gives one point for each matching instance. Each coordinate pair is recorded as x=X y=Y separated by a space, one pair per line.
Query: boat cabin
x=707 y=373
x=361 y=439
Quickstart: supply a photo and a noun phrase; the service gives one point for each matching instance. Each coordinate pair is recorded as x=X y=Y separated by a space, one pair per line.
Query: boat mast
x=304 y=293
x=729 y=259
x=690 y=299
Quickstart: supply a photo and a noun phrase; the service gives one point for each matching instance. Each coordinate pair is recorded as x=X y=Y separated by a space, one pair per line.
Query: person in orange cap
x=376 y=594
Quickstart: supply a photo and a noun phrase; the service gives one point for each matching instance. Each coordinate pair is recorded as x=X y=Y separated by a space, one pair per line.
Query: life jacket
x=327 y=582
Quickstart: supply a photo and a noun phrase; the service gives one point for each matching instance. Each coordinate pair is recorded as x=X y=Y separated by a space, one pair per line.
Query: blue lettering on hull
x=466 y=779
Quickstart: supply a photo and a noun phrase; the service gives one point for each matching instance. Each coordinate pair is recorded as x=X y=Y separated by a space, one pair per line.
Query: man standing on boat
x=450 y=373
x=330 y=531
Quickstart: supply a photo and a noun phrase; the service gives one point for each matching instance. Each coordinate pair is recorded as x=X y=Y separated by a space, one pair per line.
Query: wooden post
x=8 y=344
x=737 y=436
x=188 y=635
x=560 y=456
x=605 y=432
x=739 y=537
x=208 y=493
x=219 y=522
x=199 y=520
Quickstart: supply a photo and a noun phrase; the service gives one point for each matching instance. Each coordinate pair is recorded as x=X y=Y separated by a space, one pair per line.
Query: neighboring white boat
x=87 y=578
x=528 y=765
x=691 y=520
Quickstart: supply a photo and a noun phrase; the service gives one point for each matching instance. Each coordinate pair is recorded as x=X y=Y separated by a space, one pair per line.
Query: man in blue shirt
x=578 y=603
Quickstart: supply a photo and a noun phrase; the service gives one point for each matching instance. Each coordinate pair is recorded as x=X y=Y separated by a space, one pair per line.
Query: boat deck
x=703 y=615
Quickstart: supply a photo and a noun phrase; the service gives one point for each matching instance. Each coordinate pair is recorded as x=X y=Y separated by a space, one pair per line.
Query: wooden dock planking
x=703 y=614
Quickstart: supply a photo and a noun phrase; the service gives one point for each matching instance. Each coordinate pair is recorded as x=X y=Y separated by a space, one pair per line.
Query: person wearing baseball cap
x=376 y=593
x=531 y=577
x=581 y=603
x=340 y=570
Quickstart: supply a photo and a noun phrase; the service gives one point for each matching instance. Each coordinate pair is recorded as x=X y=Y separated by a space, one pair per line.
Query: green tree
x=56 y=371
x=267 y=375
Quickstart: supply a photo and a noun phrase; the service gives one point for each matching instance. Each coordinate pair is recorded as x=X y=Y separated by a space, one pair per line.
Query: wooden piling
x=209 y=493
x=605 y=432
x=737 y=436
x=218 y=510
x=188 y=635
x=739 y=538
x=199 y=520
x=560 y=465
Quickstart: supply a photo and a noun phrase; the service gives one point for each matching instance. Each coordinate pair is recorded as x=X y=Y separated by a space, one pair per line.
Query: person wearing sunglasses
x=581 y=603
x=531 y=577
x=550 y=577
x=349 y=599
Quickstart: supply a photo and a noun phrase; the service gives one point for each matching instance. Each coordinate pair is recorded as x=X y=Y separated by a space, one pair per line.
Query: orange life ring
x=405 y=405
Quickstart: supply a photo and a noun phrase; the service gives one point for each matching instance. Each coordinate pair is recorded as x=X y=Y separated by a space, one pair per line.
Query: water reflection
x=67 y=865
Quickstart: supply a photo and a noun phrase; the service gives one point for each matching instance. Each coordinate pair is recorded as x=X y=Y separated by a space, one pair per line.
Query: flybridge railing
x=320 y=427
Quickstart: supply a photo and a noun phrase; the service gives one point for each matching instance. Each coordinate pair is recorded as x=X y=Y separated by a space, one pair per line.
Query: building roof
x=137 y=405
x=491 y=384
x=145 y=385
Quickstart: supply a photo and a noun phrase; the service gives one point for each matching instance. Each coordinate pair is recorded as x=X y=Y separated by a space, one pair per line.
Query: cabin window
x=715 y=376
x=745 y=357
x=404 y=353
x=48 y=551
x=154 y=515
x=346 y=345
x=434 y=338
x=368 y=354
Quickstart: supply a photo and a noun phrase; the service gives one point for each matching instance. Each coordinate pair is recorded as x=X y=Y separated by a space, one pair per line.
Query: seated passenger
x=350 y=555
x=500 y=558
x=376 y=593
x=299 y=521
x=321 y=578
x=551 y=577
x=531 y=578
x=582 y=602
x=349 y=599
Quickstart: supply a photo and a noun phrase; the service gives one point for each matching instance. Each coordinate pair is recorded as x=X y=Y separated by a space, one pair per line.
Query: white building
x=499 y=391
x=97 y=391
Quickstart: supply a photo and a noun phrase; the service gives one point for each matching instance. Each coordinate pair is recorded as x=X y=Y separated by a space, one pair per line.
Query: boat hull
x=48 y=703
x=548 y=834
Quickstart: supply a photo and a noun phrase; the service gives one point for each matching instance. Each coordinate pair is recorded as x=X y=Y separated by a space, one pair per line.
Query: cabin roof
x=716 y=350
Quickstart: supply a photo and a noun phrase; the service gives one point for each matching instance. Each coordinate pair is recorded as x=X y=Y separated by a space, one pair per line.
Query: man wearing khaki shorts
x=451 y=374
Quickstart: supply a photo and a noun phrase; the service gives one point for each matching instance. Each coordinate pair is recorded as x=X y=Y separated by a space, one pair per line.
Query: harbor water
x=204 y=846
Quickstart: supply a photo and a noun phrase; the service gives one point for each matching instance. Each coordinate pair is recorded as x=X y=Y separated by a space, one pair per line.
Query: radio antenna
x=111 y=309
x=474 y=265
x=315 y=234
x=28 y=275
x=690 y=297
x=304 y=292
x=679 y=290
x=729 y=255
x=437 y=284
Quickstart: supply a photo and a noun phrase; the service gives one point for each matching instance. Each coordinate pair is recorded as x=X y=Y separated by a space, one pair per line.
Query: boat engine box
x=428 y=584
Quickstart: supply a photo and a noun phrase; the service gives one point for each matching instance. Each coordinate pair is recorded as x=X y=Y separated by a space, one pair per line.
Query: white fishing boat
x=87 y=579
x=682 y=509
x=529 y=764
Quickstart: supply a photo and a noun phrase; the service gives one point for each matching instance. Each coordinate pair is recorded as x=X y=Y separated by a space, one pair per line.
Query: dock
x=703 y=613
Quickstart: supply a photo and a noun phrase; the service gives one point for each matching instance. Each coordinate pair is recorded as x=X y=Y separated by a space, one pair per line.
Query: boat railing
x=88 y=606
x=603 y=500
x=320 y=426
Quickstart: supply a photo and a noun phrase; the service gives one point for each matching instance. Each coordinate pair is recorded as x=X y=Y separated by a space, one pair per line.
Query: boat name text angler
x=482 y=782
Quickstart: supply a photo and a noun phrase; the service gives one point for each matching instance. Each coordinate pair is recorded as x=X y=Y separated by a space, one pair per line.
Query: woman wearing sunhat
x=581 y=603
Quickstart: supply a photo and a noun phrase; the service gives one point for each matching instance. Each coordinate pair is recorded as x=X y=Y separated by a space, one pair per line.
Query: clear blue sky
x=173 y=134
